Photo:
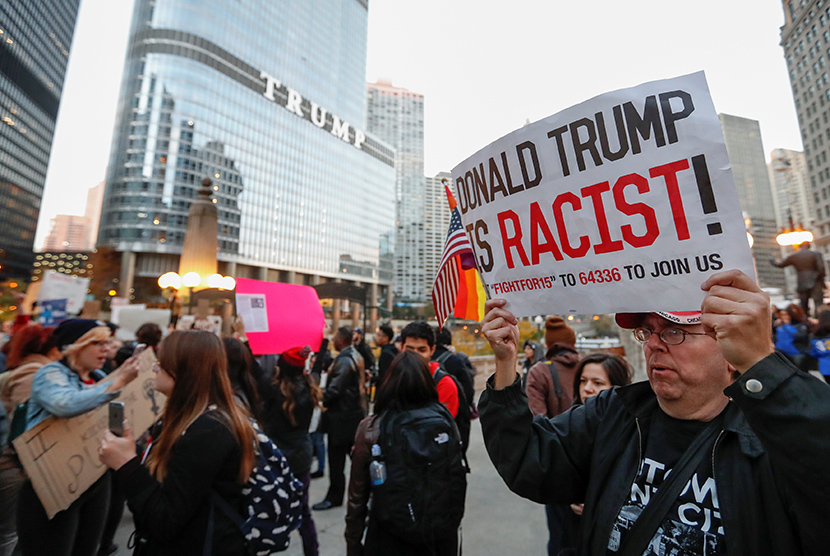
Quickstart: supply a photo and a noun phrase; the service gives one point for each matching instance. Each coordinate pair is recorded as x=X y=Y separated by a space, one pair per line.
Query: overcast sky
x=484 y=68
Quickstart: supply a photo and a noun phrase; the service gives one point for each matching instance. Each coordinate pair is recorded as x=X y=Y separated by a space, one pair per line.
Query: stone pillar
x=373 y=313
x=226 y=312
x=200 y=237
x=335 y=314
x=231 y=269
x=315 y=280
x=262 y=273
x=125 y=282
x=356 y=307
x=292 y=276
x=389 y=303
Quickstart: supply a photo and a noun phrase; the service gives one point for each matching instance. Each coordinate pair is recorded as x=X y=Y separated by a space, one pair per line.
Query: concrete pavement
x=496 y=521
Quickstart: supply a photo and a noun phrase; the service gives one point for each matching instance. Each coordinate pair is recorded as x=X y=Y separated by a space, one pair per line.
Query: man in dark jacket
x=344 y=411
x=388 y=351
x=715 y=383
x=809 y=268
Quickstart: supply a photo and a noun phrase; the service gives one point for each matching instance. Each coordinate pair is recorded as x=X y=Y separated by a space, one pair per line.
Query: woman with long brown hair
x=205 y=443
x=288 y=406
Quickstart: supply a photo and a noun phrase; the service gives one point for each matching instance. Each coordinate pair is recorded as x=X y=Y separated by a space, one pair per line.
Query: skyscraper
x=34 y=51
x=793 y=204
x=436 y=224
x=396 y=115
x=68 y=233
x=805 y=37
x=269 y=103
x=749 y=168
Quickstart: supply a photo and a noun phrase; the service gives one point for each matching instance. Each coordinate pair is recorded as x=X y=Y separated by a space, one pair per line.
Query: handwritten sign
x=625 y=202
x=60 y=456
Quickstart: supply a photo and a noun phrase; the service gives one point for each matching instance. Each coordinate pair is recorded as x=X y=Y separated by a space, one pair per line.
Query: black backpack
x=464 y=415
x=422 y=498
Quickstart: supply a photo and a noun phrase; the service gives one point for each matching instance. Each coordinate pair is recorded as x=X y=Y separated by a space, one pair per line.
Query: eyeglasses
x=669 y=336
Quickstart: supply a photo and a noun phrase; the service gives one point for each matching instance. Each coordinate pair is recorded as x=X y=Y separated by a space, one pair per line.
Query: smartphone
x=117 y=418
x=138 y=349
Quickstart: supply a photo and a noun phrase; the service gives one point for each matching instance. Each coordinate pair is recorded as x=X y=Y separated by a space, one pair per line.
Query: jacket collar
x=639 y=400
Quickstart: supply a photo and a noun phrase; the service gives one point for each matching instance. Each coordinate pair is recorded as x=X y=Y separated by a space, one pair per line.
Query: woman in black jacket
x=288 y=405
x=205 y=445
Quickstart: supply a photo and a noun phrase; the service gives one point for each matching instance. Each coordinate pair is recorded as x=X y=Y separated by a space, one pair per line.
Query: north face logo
x=442 y=438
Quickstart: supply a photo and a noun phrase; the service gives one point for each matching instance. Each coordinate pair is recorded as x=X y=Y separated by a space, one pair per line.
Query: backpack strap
x=661 y=501
x=557 y=384
x=443 y=357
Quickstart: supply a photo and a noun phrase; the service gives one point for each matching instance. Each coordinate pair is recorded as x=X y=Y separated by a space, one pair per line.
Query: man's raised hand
x=501 y=329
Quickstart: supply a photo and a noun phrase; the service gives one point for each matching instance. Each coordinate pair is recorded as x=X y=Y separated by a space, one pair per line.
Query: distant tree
x=106 y=271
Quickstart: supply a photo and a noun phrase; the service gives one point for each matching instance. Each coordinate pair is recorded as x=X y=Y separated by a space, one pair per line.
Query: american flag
x=458 y=255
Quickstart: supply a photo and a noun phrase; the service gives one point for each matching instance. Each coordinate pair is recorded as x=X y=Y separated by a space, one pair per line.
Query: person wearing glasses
x=721 y=451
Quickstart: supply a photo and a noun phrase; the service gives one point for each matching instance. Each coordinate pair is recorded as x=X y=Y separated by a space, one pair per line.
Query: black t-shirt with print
x=693 y=525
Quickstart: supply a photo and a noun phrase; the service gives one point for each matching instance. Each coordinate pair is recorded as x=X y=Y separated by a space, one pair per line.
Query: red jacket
x=447 y=390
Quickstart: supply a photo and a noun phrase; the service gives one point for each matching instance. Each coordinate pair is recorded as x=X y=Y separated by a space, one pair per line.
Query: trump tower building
x=267 y=99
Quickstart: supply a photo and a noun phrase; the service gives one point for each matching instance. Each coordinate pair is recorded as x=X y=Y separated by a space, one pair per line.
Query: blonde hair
x=196 y=362
x=97 y=334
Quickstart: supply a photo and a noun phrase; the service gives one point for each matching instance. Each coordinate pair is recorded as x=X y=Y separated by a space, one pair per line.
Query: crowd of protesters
x=375 y=407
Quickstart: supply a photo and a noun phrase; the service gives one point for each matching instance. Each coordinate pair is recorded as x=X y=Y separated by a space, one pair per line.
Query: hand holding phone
x=117 y=418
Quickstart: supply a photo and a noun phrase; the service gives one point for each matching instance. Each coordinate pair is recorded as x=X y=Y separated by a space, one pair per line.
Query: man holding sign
x=722 y=452
x=626 y=203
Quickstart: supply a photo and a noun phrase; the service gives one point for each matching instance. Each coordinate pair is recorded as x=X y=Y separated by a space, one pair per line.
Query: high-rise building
x=436 y=224
x=805 y=37
x=793 y=205
x=396 y=116
x=749 y=168
x=35 y=37
x=269 y=103
x=67 y=233
x=94 y=201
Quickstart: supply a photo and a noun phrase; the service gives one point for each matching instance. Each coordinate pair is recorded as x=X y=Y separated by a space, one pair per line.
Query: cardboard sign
x=294 y=316
x=56 y=285
x=91 y=310
x=61 y=455
x=625 y=202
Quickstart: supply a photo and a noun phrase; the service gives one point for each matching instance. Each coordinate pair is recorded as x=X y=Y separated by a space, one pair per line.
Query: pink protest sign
x=279 y=316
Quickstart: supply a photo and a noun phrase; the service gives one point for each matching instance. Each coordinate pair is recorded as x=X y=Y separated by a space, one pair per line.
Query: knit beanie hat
x=70 y=331
x=294 y=357
x=557 y=330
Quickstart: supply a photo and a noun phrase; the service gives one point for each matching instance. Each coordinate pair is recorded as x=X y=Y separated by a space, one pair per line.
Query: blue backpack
x=273 y=500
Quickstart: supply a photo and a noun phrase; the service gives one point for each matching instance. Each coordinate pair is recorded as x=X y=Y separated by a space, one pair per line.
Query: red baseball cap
x=633 y=320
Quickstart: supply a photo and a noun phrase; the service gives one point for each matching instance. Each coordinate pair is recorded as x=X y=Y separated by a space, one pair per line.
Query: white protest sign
x=60 y=456
x=56 y=285
x=625 y=202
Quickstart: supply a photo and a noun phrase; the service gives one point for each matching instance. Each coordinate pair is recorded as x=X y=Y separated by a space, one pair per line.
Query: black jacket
x=387 y=354
x=172 y=516
x=342 y=398
x=293 y=440
x=769 y=461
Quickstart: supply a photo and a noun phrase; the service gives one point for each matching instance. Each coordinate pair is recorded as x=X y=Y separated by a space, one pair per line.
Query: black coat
x=769 y=461
x=293 y=440
x=172 y=516
x=342 y=399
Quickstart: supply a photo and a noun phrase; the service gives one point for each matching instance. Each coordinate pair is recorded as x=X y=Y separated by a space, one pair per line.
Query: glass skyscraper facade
x=396 y=115
x=35 y=37
x=749 y=168
x=267 y=99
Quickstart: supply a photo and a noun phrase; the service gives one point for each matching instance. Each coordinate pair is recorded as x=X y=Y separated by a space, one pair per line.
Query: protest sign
x=52 y=312
x=131 y=318
x=625 y=202
x=293 y=315
x=60 y=456
x=56 y=285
